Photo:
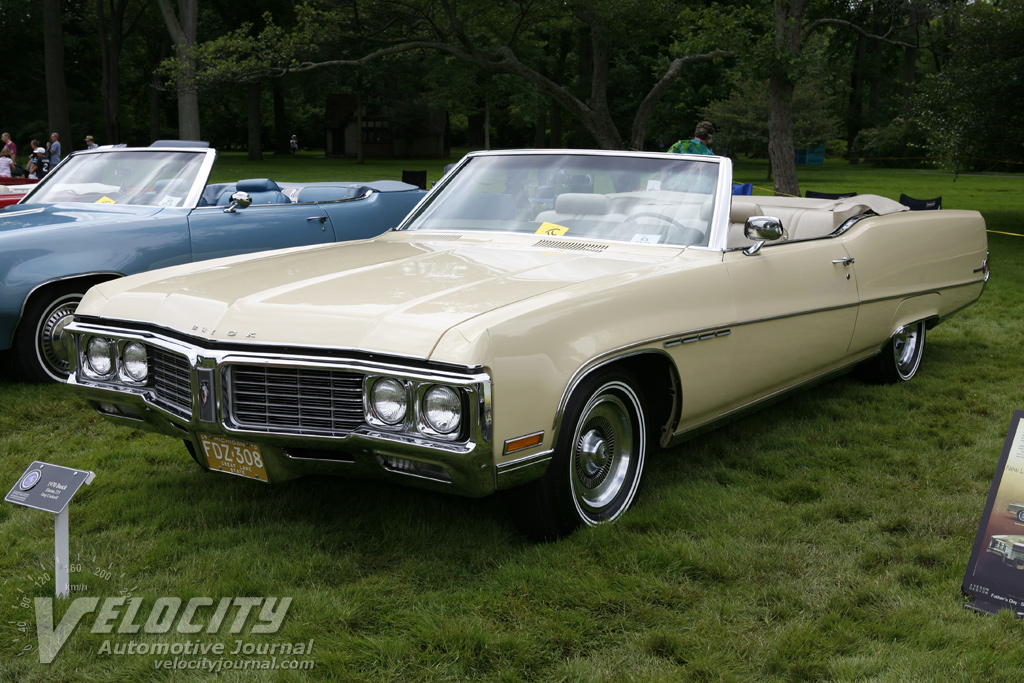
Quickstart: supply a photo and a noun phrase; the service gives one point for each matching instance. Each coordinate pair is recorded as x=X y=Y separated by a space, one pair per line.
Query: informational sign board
x=47 y=487
x=50 y=488
x=995 y=573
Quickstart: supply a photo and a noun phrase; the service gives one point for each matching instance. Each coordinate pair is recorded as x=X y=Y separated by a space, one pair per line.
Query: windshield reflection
x=617 y=198
x=133 y=178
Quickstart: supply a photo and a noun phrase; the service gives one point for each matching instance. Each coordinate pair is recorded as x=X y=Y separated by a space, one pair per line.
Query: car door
x=796 y=308
x=216 y=232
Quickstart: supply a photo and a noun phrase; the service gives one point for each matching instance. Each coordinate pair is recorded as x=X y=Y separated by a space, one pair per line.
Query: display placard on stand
x=50 y=488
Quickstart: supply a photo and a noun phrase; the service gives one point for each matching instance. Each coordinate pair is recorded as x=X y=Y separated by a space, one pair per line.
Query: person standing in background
x=10 y=147
x=53 y=150
x=5 y=163
x=89 y=144
x=698 y=144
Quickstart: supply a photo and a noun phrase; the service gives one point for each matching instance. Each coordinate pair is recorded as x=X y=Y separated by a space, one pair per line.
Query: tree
x=974 y=107
x=183 y=28
x=112 y=27
x=502 y=38
x=59 y=118
x=742 y=119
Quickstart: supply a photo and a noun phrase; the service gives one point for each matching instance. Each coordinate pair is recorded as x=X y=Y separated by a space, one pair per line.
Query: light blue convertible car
x=115 y=211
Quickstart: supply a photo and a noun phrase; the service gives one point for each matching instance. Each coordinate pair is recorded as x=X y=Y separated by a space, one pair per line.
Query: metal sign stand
x=50 y=488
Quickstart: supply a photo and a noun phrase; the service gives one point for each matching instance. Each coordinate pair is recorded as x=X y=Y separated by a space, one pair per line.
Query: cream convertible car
x=542 y=319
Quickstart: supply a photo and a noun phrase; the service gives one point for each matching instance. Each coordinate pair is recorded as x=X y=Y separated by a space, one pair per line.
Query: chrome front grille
x=171 y=381
x=294 y=400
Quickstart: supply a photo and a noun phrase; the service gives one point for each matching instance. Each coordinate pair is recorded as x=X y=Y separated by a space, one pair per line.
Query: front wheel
x=900 y=357
x=41 y=351
x=1020 y=515
x=598 y=462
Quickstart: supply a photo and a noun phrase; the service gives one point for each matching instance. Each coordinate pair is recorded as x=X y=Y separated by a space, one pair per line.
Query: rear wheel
x=596 y=470
x=900 y=357
x=41 y=351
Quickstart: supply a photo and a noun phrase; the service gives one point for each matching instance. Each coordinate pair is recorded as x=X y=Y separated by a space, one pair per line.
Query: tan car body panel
x=537 y=319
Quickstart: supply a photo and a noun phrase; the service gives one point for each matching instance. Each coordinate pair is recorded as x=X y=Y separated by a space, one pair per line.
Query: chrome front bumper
x=194 y=394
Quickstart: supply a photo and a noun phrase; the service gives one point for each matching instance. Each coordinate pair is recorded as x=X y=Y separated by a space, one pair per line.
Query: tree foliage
x=974 y=106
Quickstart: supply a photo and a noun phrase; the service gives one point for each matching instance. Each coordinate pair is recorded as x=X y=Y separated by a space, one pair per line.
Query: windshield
x=156 y=178
x=663 y=200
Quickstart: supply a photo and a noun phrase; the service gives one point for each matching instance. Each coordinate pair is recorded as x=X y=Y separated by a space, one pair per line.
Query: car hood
x=26 y=216
x=396 y=294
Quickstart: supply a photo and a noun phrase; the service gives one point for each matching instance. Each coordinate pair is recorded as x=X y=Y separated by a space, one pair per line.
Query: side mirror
x=239 y=200
x=763 y=229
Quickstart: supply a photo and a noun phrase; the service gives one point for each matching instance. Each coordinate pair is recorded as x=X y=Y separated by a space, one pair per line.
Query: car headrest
x=742 y=209
x=257 y=185
x=330 y=193
x=578 y=202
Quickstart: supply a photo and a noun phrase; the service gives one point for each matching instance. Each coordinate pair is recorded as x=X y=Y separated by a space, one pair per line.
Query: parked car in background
x=542 y=320
x=1017 y=510
x=13 y=189
x=115 y=211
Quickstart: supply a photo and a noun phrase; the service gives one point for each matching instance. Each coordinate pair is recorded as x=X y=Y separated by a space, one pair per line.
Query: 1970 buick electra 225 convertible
x=542 y=320
x=117 y=211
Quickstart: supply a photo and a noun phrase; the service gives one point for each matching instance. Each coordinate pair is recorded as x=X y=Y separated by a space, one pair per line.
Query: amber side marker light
x=523 y=442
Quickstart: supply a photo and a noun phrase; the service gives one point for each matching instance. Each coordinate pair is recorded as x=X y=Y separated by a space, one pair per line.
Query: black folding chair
x=811 y=194
x=921 y=204
x=417 y=178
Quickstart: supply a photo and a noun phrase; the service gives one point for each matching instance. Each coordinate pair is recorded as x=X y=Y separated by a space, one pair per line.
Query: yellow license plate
x=234 y=457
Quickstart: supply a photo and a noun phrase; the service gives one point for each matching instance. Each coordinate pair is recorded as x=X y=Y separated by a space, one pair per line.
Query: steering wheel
x=686 y=234
x=651 y=214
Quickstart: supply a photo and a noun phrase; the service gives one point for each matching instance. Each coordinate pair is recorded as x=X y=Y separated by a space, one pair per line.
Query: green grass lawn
x=822 y=539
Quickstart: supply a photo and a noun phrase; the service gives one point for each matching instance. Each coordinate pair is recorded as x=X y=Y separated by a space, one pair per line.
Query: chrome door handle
x=322 y=219
x=845 y=261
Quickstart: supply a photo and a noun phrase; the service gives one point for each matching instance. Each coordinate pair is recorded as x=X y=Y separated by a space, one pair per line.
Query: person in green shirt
x=699 y=143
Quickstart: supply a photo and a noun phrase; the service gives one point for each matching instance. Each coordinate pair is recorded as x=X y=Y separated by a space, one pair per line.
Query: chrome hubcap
x=905 y=344
x=602 y=452
x=52 y=344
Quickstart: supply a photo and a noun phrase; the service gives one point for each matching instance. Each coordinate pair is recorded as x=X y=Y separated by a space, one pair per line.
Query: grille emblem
x=207 y=411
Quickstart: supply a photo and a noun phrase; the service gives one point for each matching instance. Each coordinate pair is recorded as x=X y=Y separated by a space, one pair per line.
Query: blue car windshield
x=155 y=178
x=657 y=199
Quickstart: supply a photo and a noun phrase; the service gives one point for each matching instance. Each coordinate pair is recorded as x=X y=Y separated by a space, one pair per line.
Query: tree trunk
x=183 y=34
x=780 y=135
x=58 y=118
x=154 y=110
x=255 y=139
x=875 y=85
x=540 y=130
x=359 y=122
x=855 y=114
x=556 y=126
x=111 y=39
x=487 y=122
x=281 y=133
x=789 y=21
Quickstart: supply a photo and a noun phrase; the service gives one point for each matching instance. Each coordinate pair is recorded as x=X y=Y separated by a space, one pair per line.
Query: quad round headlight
x=99 y=356
x=442 y=409
x=388 y=401
x=133 y=361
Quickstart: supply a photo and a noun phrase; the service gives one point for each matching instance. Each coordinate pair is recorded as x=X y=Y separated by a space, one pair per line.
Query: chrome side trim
x=704 y=336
